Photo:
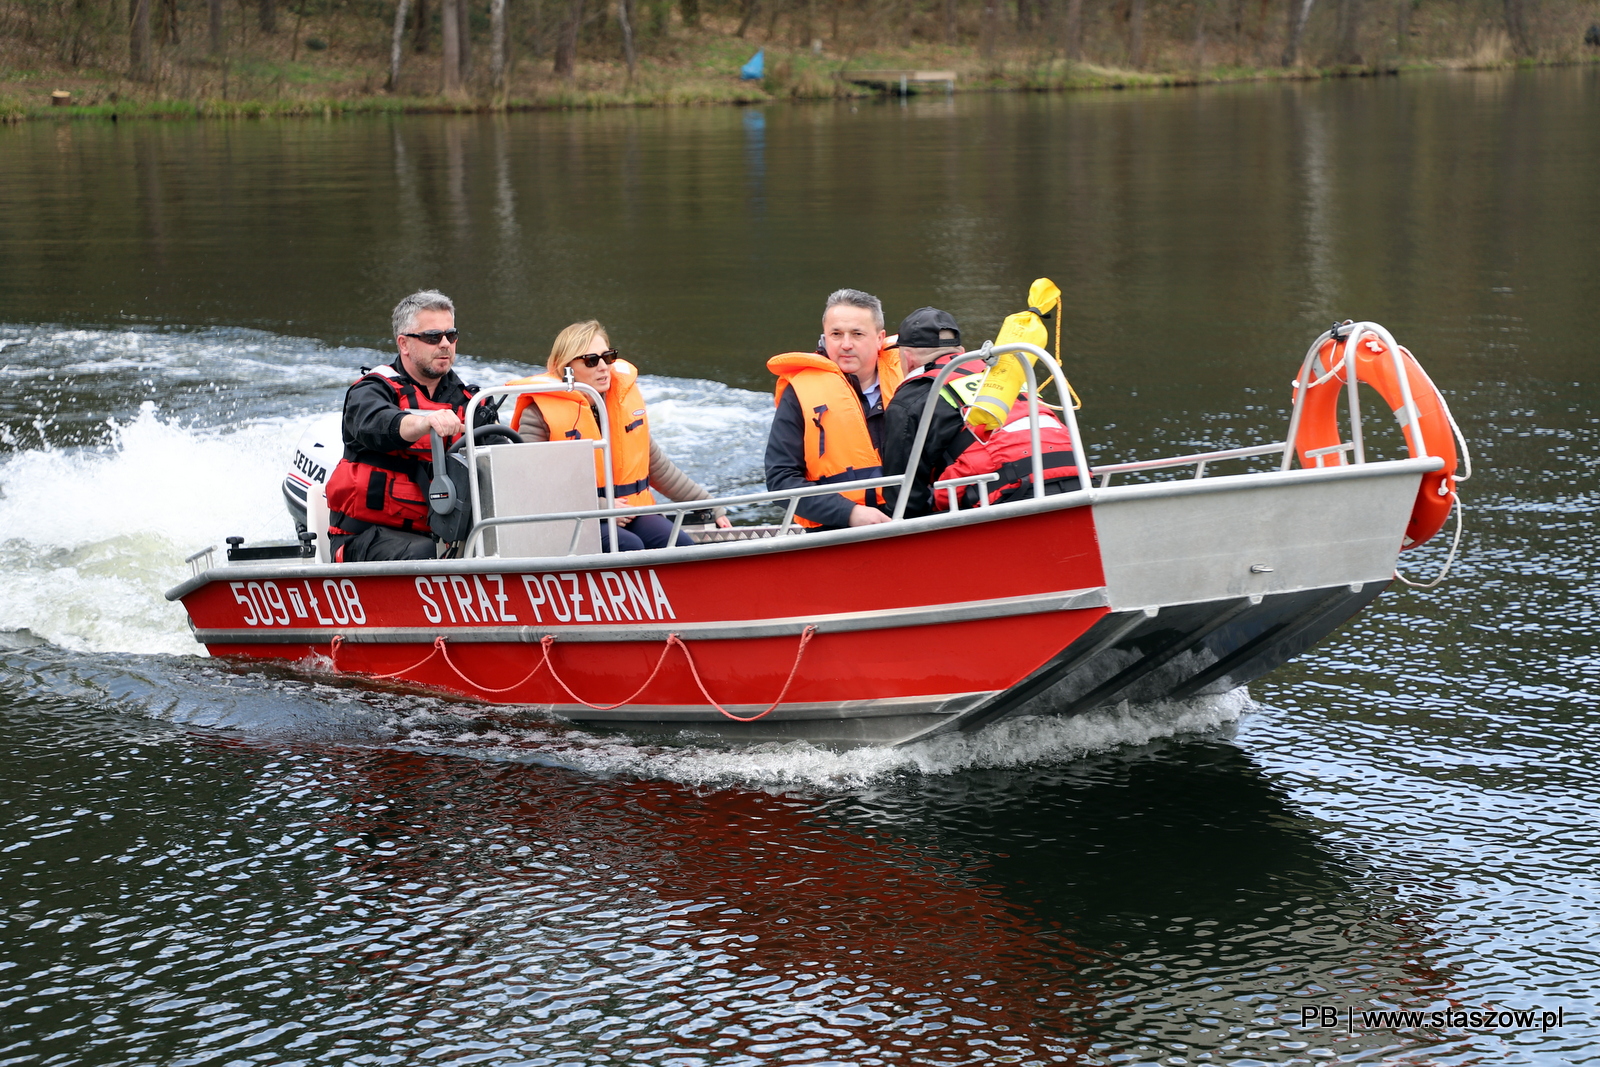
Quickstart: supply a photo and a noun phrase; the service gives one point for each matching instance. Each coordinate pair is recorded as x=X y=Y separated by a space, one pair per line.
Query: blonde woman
x=637 y=462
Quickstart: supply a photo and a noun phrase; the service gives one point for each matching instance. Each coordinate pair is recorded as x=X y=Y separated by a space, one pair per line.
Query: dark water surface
x=205 y=864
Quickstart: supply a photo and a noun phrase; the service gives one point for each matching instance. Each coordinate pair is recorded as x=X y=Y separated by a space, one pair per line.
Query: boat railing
x=1199 y=461
x=678 y=509
x=1350 y=335
x=569 y=384
x=990 y=353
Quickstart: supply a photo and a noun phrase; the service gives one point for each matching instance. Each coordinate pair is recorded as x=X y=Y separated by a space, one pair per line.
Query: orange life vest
x=570 y=418
x=838 y=447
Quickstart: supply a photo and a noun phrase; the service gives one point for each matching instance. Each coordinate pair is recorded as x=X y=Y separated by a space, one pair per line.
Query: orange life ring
x=1319 y=423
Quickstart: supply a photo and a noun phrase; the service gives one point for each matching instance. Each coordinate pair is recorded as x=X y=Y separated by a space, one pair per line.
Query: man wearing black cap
x=929 y=339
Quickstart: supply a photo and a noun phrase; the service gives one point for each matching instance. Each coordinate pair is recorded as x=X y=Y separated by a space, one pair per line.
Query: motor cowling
x=316 y=453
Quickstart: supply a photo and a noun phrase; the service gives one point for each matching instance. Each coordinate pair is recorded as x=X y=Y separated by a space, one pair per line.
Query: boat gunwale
x=732 y=630
x=1084 y=497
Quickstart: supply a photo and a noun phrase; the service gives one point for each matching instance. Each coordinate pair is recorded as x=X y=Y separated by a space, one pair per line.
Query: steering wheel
x=489 y=432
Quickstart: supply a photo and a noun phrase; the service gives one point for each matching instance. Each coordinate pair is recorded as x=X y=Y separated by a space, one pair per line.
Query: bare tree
x=566 y=58
x=1348 y=34
x=750 y=9
x=1073 y=46
x=626 y=23
x=690 y=10
x=991 y=27
x=1517 y=27
x=949 y=21
x=139 y=45
x=451 y=66
x=267 y=16
x=1299 y=15
x=1136 y=34
x=169 y=22
x=497 y=45
x=419 y=38
x=464 y=38
x=214 y=9
x=401 y=9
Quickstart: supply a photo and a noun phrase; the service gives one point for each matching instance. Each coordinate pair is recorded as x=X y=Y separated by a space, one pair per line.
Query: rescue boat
x=1161 y=579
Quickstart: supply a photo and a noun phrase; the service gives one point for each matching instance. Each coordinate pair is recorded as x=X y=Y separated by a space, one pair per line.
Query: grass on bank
x=693 y=67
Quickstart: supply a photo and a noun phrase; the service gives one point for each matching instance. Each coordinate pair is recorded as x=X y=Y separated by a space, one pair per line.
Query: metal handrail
x=569 y=385
x=1198 y=460
x=792 y=495
x=1409 y=416
x=989 y=353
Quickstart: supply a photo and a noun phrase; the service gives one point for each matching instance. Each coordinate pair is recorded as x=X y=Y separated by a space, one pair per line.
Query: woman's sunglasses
x=594 y=359
x=433 y=337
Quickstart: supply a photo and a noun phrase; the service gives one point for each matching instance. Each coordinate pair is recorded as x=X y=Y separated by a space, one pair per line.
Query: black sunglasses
x=433 y=337
x=594 y=359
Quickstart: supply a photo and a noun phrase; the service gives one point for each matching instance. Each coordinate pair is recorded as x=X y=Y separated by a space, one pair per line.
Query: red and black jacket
x=382 y=478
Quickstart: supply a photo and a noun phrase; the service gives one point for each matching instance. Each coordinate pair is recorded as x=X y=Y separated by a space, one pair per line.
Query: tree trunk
x=139 y=41
x=626 y=24
x=1299 y=15
x=450 y=66
x=267 y=15
x=497 y=45
x=949 y=21
x=419 y=36
x=214 y=9
x=1024 y=16
x=1074 y=30
x=690 y=10
x=401 y=10
x=991 y=20
x=1517 y=27
x=1136 y=34
x=566 y=61
x=169 y=22
x=750 y=9
x=1348 y=36
x=464 y=38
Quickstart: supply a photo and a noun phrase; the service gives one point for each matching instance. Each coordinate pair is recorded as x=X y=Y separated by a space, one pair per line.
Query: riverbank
x=332 y=67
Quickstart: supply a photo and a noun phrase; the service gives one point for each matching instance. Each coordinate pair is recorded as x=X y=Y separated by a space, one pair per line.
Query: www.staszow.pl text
x=1325 y=1017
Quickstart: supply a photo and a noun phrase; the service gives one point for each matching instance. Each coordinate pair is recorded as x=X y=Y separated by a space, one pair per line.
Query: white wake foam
x=1023 y=741
x=93 y=536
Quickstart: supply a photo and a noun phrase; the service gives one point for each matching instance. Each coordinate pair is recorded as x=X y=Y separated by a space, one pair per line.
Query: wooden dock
x=903 y=82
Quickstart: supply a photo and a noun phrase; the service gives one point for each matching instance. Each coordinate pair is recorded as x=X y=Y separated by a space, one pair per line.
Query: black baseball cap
x=922 y=329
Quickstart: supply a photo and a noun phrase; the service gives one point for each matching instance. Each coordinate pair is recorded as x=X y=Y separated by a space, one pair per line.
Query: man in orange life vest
x=377 y=504
x=829 y=414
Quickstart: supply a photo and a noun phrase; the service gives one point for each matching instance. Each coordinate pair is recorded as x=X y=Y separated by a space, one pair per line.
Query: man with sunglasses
x=377 y=504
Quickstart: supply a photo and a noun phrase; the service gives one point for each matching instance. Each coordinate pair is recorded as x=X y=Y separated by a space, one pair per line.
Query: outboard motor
x=315 y=455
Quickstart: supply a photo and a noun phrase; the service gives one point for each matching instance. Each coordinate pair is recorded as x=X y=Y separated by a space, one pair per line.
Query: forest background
x=244 y=57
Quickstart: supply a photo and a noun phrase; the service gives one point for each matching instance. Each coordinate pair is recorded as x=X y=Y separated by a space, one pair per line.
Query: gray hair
x=405 y=312
x=857 y=299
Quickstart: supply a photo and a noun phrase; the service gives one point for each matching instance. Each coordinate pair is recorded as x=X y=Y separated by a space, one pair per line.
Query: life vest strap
x=341 y=524
x=626 y=489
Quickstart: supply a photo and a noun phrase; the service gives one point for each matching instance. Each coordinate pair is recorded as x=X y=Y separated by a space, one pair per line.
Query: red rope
x=543 y=659
x=548 y=639
x=439 y=648
x=338 y=639
x=800 y=651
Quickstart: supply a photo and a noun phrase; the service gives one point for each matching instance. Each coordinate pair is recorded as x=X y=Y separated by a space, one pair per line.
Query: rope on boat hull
x=440 y=648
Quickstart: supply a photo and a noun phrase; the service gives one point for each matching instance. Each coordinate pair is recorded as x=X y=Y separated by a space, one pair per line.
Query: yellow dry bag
x=1007 y=377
